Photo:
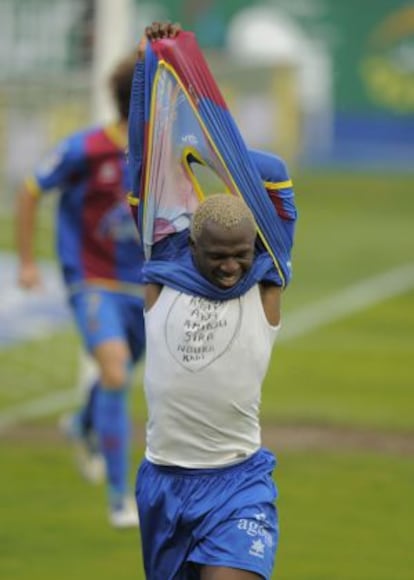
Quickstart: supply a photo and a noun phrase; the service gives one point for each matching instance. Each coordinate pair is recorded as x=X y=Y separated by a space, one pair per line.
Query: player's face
x=223 y=255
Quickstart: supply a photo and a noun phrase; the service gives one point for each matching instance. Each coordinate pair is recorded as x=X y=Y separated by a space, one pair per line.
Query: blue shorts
x=220 y=517
x=103 y=315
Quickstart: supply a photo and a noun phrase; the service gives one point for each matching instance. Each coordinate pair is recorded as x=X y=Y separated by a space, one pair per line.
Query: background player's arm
x=54 y=173
x=26 y=214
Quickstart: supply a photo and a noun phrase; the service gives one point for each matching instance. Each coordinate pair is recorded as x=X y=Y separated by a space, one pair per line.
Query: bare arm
x=152 y=292
x=26 y=213
x=271 y=298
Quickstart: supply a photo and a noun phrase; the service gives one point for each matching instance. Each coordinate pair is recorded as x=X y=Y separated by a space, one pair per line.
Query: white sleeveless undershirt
x=205 y=363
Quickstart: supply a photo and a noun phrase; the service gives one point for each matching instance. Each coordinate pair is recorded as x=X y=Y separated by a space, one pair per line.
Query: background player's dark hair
x=120 y=83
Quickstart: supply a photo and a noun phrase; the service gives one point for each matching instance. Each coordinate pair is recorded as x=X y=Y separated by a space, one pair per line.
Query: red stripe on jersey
x=103 y=193
x=278 y=204
x=193 y=72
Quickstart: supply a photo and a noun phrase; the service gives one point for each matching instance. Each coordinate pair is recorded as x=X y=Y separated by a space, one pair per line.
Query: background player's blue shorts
x=221 y=517
x=103 y=315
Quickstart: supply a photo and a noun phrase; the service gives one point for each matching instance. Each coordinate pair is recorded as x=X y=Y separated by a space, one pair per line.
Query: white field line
x=304 y=320
x=355 y=298
x=41 y=407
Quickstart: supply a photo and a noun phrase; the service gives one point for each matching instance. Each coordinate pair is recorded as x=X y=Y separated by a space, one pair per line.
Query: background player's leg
x=78 y=426
x=112 y=425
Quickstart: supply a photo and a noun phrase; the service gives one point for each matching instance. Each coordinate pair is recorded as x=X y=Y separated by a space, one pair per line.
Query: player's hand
x=162 y=30
x=29 y=276
x=156 y=31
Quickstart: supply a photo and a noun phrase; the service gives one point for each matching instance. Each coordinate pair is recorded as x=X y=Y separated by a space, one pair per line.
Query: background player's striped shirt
x=97 y=241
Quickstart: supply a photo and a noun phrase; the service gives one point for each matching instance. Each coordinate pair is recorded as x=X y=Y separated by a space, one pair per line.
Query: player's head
x=222 y=239
x=120 y=84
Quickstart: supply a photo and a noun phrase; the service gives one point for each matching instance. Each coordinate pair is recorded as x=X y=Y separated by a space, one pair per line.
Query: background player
x=100 y=258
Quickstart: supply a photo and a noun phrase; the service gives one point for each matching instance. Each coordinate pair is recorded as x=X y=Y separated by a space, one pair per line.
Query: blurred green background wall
x=371 y=44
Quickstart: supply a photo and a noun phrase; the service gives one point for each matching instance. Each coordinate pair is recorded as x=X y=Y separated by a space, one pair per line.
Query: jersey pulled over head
x=180 y=130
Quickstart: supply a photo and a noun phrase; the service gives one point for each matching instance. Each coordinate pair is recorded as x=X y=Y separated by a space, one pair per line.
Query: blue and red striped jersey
x=97 y=240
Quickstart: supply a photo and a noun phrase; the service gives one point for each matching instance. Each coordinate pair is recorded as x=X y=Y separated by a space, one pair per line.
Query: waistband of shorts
x=111 y=286
x=257 y=457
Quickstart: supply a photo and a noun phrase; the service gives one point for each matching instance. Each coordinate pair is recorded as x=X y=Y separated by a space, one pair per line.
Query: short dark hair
x=120 y=83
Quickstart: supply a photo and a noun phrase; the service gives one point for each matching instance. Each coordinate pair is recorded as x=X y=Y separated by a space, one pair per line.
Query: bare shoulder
x=152 y=292
x=271 y=300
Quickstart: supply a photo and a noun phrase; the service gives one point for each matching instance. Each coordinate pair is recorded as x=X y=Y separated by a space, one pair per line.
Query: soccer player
x=204 y=490
x=100 y=257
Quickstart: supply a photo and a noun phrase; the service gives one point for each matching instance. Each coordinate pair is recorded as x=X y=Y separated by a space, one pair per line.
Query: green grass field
x=344 y=361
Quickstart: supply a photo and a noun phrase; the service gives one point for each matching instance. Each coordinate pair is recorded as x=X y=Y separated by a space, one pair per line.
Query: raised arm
x=155 y=31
